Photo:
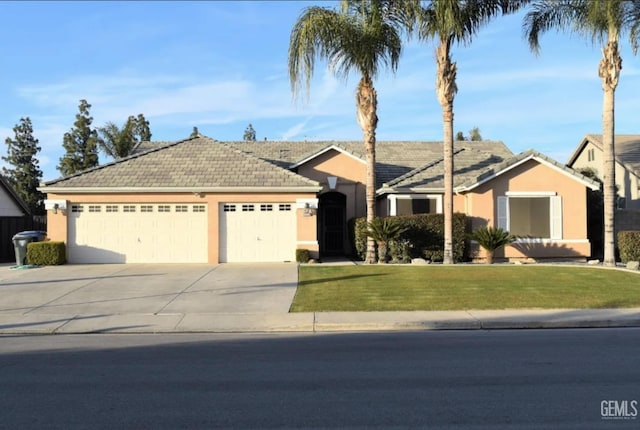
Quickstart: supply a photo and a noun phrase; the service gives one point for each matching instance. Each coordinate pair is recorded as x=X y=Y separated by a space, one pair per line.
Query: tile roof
x=468 y=164
x=198 y=162
x=495 y=170
x=393 y=159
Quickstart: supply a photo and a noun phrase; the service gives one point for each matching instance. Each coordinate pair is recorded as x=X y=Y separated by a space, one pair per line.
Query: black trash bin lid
x=29 y=234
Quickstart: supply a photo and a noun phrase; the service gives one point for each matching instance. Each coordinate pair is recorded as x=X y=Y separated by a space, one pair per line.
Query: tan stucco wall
x=57 y=227
x=351 y=174
x=334 y=163
x=532 y=176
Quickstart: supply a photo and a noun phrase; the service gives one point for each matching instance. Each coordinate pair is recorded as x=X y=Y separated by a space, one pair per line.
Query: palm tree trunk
x=446 y=90
x=367 y=104
x=609 y=71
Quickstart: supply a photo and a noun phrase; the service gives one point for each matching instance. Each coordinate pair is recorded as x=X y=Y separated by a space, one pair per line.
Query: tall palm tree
x=603 y=21
x=450 y=22
x=361 y=37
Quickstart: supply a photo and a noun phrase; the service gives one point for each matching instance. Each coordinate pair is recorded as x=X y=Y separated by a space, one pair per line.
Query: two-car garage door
x=138 y=233
x=179 y=233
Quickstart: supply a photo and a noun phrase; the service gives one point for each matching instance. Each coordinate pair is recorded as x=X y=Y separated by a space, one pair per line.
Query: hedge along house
x=200 y=200
x=192 y=201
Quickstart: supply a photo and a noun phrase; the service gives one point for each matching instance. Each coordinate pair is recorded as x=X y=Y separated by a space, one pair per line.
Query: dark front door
x=332 y=223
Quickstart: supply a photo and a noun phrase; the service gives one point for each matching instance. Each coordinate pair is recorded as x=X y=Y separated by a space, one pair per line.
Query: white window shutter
x=503 y=213
x=556 y=217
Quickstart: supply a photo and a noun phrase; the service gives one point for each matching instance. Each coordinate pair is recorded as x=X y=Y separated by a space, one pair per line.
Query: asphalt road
x=447 y=379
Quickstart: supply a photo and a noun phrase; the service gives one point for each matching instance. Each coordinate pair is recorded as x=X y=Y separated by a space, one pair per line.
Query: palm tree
x=117 y=142
x=361 y=37
x=603 y=21
x=450 y=22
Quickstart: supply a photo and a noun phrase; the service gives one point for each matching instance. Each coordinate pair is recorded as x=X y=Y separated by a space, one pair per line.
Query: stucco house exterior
x=627 y=154
x=203 y=201
x=589 y=154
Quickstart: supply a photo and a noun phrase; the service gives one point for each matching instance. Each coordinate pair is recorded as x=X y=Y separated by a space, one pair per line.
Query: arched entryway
x=332 y=223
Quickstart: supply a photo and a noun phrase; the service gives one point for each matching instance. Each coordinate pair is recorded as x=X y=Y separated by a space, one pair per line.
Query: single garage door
x=257 y=232
x=138 y=233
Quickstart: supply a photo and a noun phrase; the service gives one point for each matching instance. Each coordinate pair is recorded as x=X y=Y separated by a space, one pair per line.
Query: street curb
x=320 y=322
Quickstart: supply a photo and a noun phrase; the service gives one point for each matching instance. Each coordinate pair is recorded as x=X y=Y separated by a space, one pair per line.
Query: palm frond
x=599 y=20
x=459 y=21
x=492 y=238
x=363 y=37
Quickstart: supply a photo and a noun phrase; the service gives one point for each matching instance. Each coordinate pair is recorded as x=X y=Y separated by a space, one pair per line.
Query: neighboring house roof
x=22 y=206
x=393 y=159
x=522 y=158
x=627 y=147
x=194 y=164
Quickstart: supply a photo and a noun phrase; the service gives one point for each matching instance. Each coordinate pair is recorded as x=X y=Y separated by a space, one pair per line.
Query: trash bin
x=20 y=241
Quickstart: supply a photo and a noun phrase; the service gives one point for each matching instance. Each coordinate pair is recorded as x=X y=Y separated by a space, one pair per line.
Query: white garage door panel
x=257 y=232
x=135 y=233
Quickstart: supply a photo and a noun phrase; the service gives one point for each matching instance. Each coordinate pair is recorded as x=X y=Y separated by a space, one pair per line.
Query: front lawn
x=436 y=287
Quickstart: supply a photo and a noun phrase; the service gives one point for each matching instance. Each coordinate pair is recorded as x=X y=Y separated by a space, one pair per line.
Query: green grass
x=408 y=288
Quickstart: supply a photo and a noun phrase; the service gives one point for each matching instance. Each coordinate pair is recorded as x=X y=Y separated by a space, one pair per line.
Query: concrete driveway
x=173 y=294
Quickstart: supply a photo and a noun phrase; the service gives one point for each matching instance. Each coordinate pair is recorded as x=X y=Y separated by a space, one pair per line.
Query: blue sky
x=222 y=65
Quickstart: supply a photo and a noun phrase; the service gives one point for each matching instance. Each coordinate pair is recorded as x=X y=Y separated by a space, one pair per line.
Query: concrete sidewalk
x=315 y=322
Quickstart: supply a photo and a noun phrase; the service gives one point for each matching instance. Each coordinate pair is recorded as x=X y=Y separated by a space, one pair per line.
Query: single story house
x=15 y=217
x=203 y=201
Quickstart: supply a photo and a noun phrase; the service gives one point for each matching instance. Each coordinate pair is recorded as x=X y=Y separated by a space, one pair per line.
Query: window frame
x=555 y=213
x=392 y=201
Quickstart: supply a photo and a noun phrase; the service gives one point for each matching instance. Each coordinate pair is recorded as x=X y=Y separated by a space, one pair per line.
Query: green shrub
x=423 y=236
x=303 y=255
x=46 y=253
x=629 y=245
x=358 y=237
x=491 y=239
x=384 y=231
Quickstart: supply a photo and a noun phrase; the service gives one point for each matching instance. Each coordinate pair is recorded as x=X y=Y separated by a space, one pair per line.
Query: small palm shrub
x=383 y=231
x=491 y=239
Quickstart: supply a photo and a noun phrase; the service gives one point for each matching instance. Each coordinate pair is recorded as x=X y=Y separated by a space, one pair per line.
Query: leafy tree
x=25 y=175
x=80 y=143
x=474 y=135
x=249 y=134
x=119 y=142
x=449 y=22
x=141 y=129
x=602 y=21
x=361 y=37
